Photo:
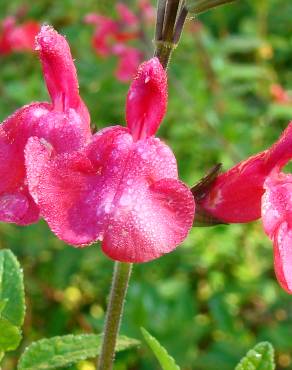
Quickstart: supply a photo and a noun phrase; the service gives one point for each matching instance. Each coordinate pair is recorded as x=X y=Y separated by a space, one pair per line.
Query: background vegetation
x=216 y=295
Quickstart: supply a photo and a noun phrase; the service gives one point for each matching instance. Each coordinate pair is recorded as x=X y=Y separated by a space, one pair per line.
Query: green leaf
x=62 y=351
x=165 y=360
x=10 y=336
x=11 y=289
x=261 y=357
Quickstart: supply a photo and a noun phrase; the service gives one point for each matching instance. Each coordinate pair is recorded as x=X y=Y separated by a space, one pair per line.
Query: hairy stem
x=122 y=272
x=171 y=16
x=163 y=51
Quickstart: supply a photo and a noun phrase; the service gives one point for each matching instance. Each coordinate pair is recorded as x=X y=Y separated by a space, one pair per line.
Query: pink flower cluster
x=17 y=38
x=256 y=188
x=119 y=186
x=111 y=37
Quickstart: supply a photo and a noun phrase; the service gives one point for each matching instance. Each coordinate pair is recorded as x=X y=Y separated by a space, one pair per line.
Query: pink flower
x=235 y=196
x=147 y=11
x=104 y=34
x=63 y=126
x=108 y=31
x=123 y=187
x=277 y=221
x=126 y=15
x=111 y=37
x=17 y=38
x=129 y=60
x=256 y=188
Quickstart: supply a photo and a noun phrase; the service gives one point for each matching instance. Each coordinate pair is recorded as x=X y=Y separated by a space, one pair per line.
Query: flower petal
x=15 y=38
x=76 y=190
x=281 y=151
x=283 y=256
x=151 y=224
x=16 y=204
x=235 y=196
x=37 y=154
x=126 y=15
x=277 y=221
x=61 y=194
x=129 y=59
x=12 y=207
x=147 y=100
x=60 y=72
x=152 y=211
x=14 y=132
x=106 y=29
x=22 y=38
x=65 y=132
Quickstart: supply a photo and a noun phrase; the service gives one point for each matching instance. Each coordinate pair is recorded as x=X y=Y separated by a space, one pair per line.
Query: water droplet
x=107 y=208
x=125 y=200
x=144 y=155
x=124 y=232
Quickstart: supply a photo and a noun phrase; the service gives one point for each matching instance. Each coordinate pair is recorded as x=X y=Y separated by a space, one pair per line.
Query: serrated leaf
x=63 y=351
x=10 y=336
x=165 y=360
x=11 y=288
x=261 y=357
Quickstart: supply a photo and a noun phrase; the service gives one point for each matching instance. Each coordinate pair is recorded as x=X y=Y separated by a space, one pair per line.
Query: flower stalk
x=121 y=276
x=171 y=16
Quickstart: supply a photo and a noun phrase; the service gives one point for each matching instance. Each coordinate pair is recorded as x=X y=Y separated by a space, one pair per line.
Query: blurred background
x=216 y=295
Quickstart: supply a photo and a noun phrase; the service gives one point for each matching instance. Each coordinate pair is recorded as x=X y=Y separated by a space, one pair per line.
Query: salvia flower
x=257 y=188
x=122 y=188
x=126 y=15
x=62 y=125
x=109 y=31
x=17 y=38
x=129 y=60
x=235 y=196
x=105 y=31
x=112 y=37
x=147 y=11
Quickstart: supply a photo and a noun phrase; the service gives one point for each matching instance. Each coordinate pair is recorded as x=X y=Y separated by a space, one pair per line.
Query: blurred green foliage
x=214 y=297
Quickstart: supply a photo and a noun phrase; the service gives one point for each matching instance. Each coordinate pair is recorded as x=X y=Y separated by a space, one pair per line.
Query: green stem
x=163 y=51
x=171 y=16
x=200 y=6
x=169 y=19
x=122 y=272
